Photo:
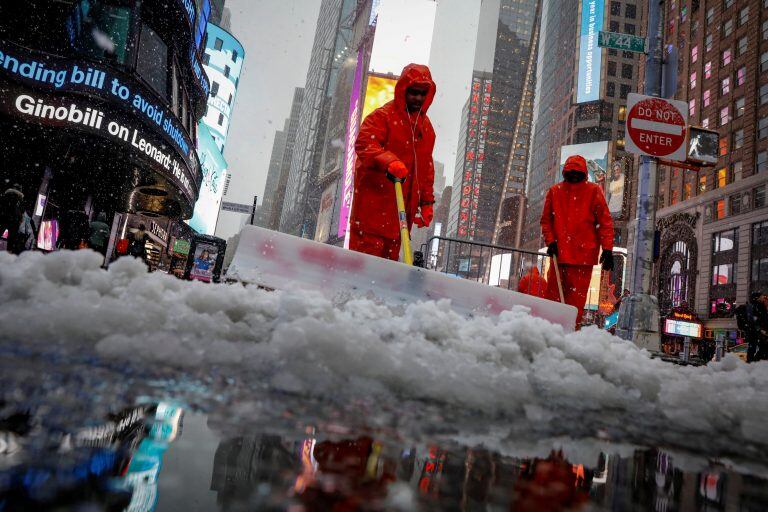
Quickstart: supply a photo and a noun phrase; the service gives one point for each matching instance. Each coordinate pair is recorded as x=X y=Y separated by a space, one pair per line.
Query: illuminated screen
x=403 y=35
x=48 y=234
x=378 y=91
x=213 y=168
x=590 y=55
x=680 y=328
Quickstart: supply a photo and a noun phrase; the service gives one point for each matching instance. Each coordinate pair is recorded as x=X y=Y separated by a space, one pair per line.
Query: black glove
x=552 y=249
x=607 y=260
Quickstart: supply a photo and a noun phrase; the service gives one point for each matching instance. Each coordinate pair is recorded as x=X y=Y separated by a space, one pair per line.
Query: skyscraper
x=713 y=224
x=505 y=47
x=292 y=127
x=302 y=193
x=273 y=177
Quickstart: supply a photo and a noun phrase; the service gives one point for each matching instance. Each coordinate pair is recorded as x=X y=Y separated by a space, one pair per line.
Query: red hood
x=413 y=74
x=575 y=163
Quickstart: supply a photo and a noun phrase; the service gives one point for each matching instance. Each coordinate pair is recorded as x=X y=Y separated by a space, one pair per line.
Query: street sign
x=237 y=207
x=656 y=127
x=625 y=42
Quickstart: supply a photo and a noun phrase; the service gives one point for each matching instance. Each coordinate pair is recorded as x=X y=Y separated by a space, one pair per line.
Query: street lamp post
x=639 y=313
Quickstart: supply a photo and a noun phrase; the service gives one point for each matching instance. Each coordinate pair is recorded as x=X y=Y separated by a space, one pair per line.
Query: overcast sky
x=277 y=36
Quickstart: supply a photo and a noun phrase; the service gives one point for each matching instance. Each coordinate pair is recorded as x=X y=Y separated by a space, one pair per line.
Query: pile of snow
x=514 y=367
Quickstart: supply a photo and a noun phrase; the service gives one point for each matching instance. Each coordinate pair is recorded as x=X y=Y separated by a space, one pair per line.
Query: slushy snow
x=512 y=369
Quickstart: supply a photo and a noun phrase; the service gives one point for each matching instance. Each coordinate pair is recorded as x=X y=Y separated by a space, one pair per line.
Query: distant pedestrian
x=576 y=224
x=26 y=237
x=752 y=321
x=11 y=214
x=138 y=243
x=99 y=234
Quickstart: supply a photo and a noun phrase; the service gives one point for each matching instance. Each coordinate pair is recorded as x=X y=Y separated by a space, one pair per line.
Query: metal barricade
x=493 y=265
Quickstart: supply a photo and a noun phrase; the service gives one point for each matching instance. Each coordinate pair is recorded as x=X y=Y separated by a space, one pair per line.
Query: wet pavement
x=106 y=435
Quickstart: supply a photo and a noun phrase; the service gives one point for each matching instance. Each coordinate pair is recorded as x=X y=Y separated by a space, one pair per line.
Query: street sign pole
x=639 y=313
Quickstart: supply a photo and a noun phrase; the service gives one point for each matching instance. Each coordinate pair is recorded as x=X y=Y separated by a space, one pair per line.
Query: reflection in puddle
x=119 y=465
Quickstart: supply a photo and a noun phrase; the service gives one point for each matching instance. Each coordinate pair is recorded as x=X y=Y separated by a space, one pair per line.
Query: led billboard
x=214 y=170
x=590 y=55
x=378 y=91
x=403 y=35
x=350 y=158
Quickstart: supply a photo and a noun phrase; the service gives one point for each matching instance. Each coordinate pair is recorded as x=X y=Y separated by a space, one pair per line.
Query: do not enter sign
x=656 y=127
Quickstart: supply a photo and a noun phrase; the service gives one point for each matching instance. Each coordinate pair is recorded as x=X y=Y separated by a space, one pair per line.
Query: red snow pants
x=576 y=279
x=374 y=245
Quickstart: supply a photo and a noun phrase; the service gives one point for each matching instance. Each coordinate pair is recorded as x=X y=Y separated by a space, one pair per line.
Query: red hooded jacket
x=389 y=134
x=576 y=216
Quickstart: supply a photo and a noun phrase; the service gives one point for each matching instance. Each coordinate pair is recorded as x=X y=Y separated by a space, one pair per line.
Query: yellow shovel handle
x=405 y=235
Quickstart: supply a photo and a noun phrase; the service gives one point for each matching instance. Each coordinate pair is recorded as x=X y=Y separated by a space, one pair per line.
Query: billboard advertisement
x=353 y=127
x=403 y=35
x=325 y=215
x=204 y=262
x=590 y=55
x=214 y=170
x=596 y=155
x=379 y=90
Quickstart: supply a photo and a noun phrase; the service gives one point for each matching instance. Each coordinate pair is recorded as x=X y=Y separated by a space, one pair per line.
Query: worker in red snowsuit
x=576 y=223
x=533 y=283
x=395 y=142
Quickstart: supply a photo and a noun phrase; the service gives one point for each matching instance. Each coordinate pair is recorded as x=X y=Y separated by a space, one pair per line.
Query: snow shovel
x=559 y=280
x=405 y=235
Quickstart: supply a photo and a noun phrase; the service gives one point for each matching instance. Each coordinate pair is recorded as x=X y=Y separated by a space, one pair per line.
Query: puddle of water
x=165 y=457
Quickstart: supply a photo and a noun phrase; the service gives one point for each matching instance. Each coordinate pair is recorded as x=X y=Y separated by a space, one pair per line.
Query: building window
x=629 y=28
x=761 y=165
x=741 y=48
x=705 y=122
x=235 y=55
x=221 y=119
x=727 y=3
x=725 y=86
x=226 y=71
x=229 y=101
x=152 y=64
x=708 y=70
x=625 y=90
x=765 y=29
x=727 y=28
x=626 y=71
x=739 y=203
x=207 y=59
x=741 y=75
x=723 y=146
x=744 y=16
x=693 y=80
x=738 y=139
x=725 y=251
x=764 y=62
x=103 y=32
x=630 y=11
x=703 y=183
x=706 y=100
x=725 y=117
x=692 y=108
x=738 y=107
x=214 y=89
x=610 y=89
x=694 y=54
x=219 y=44
x=762 y=128
x=736 y=171
x=613 y=26
x=721 y=178
x=764 y=94
x=759 y=195
x=726 y=56
x=612 y=68
x=708 y=42
x=710 y=15
x=615 y=8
